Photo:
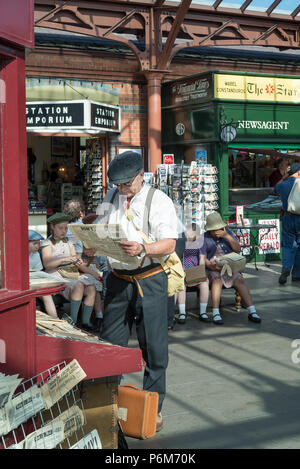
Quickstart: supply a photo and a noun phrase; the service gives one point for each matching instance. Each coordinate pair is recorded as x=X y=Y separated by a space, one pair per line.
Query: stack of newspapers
x=42 y=412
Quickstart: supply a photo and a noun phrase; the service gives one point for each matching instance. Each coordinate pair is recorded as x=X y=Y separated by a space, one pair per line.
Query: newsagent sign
x=72 y=116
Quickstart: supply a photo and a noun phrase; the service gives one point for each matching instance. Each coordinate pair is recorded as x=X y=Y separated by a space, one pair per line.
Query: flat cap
x=58 y=217
x=34 y=235
x=294 y=168
x=124 y=167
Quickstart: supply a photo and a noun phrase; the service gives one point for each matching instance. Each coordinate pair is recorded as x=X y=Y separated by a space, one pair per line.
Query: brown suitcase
x=137 y=411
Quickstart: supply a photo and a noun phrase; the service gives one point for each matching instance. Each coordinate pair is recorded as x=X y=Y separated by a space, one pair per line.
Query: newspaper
x=4 y=424
x=8 y=385
x=73 y=419
x=62 y=383
x=89 y=441
x=61 y=328
x=24 y=406
x=47 y=437
x=43 y=279
x=105 y=238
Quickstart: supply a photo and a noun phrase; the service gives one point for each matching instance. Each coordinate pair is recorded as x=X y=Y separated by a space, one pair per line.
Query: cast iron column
x=154 y=120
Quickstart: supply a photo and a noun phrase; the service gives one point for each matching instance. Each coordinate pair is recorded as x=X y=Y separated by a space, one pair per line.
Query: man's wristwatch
x=143 y=251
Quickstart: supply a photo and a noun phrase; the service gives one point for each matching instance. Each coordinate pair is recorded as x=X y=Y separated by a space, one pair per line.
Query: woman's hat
x=34 y=235
x=58 y=217
x=214 y=222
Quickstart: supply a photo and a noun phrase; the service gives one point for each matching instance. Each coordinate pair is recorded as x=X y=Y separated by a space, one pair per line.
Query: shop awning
x=72 y=117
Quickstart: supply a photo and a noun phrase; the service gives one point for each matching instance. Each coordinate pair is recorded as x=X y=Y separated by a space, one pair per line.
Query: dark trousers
x=290 y=244
x=122 y=305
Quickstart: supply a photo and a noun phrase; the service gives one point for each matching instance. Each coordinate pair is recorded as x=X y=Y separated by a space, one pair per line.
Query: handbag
x=195 y=275
x=293 y=204
x=69 y=270
x=232 y=263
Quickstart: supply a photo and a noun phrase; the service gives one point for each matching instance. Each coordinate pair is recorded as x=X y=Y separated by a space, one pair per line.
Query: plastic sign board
x=256 y=88
x=168 y=158
x=269 y=240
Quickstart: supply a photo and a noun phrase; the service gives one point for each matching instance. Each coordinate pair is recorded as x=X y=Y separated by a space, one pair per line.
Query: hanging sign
x=239 y=214
x=168 y=158
x=72 y=116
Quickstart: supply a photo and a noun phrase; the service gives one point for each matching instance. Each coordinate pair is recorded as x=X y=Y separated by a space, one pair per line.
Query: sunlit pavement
x=235 y=385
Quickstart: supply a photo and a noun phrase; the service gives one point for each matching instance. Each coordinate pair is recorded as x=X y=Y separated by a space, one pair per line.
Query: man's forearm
x=160 y=248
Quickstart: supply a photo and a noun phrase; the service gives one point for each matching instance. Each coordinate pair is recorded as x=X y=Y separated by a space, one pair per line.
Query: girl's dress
x=60 y=250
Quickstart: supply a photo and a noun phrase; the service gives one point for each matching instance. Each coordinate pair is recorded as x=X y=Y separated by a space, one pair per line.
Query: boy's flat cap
x=58 y=217
x=34 y=235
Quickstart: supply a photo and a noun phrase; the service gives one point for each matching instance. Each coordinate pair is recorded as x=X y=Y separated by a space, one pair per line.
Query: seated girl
x=219 y=240
x=58 y=252
x=193 y=255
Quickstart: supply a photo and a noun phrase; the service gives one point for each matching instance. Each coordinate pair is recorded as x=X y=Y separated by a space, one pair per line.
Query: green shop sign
x=263 y=121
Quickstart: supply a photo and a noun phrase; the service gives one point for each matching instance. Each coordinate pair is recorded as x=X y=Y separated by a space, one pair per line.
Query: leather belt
x=136 y=277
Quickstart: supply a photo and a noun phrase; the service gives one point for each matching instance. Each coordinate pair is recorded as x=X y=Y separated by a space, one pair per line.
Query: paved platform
x=235 y=385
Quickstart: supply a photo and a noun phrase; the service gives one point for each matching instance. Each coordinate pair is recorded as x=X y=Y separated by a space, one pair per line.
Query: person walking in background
x=219 y=240
x=137 y=290
x=290 y=234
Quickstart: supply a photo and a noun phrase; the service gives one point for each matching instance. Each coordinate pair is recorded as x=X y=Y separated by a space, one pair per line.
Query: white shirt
x=35 y=262
x=162 y=220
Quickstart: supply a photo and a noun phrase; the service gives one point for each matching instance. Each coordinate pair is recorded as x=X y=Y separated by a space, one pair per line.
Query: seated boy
x=35 y=264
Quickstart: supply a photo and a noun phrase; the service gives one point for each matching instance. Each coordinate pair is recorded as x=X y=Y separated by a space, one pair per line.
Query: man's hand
x=132 y=248
x=221 y=233
x=89 y=252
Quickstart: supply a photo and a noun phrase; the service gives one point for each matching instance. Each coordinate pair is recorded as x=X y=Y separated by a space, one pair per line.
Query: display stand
x=193 y=189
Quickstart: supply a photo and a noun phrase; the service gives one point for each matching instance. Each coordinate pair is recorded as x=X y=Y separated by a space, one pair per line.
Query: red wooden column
x=154 y=119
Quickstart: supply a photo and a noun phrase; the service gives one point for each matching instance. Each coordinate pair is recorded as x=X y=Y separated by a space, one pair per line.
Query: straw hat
x=214 y=222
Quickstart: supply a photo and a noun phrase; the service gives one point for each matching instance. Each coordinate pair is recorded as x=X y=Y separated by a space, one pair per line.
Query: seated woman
x=57 y=252
x=35 y=264
x=219 y=240
x=193 y=255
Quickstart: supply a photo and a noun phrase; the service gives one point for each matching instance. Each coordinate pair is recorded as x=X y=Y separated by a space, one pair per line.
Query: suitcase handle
x=130 y=386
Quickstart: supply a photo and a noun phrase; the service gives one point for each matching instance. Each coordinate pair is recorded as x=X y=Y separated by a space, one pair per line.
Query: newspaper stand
x=21 y=351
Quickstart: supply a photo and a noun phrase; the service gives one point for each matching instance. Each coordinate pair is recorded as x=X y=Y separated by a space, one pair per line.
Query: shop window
x=254 y=172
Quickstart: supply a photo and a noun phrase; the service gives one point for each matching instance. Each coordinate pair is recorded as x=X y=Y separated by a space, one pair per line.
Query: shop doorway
x=61 y=168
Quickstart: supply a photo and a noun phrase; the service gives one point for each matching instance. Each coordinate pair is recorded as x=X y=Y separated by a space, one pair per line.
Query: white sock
x=203 y=307
x=252 y=311
x=99 y=315
x=216 y=312
x=181 y=310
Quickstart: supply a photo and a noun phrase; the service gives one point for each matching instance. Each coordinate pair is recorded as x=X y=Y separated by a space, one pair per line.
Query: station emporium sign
x=72 y=116
x=257 y=88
